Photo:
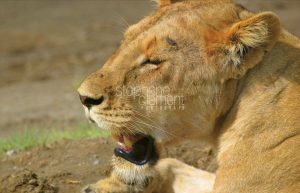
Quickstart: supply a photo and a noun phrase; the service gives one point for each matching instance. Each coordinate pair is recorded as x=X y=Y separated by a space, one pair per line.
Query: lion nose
x=89 y=102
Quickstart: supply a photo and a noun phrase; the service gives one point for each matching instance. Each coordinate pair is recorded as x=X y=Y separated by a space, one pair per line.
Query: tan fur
x=163 y=3
x=239 y=75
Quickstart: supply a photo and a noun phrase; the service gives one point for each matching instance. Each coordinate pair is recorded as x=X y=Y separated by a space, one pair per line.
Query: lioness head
x=175 y=74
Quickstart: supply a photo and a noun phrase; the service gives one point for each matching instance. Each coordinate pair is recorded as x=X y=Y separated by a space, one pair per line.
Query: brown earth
x=67 y=166
x=46 y=49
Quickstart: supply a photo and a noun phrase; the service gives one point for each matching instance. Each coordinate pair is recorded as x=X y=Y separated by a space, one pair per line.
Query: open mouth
x=138 y=149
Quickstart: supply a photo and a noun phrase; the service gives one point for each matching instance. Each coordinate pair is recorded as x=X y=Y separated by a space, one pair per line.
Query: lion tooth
x=120 y=144
x=127 y=142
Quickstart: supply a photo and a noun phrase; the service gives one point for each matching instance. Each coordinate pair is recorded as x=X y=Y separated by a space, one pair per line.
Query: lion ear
x=163 y=3
x=259 y=32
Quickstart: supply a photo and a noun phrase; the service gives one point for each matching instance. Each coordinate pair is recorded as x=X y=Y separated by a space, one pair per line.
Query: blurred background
x=46 y=49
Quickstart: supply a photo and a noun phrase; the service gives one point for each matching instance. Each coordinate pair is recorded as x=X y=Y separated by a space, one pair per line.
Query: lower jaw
x=143 y=152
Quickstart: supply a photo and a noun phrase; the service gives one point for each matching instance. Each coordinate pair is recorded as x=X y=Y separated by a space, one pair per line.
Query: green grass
x=36 y=137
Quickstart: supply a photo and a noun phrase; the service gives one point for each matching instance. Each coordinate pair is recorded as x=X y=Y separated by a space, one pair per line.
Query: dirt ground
x=67 y=166
x=47 y=47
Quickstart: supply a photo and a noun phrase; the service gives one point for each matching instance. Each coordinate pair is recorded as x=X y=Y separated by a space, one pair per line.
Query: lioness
x=232 y=77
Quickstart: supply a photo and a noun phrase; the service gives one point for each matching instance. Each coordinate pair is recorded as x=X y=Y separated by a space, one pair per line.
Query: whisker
x=135 y=127
x=135 y=121
x=123 y=20
x=145 y=116
x=140 y=121
x=157 y=126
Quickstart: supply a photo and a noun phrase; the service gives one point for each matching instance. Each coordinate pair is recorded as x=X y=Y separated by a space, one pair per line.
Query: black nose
x=89 y=102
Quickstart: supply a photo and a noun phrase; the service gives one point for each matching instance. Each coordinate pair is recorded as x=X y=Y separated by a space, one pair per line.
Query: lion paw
x=113 y=185
x=108 y=185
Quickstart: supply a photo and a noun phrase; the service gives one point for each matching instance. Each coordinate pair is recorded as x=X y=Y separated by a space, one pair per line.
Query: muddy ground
x=47 y=47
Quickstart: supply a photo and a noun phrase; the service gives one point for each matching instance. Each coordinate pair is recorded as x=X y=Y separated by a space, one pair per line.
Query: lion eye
x=152 y=62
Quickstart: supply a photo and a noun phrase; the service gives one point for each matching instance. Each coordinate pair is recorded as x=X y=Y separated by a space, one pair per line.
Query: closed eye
x=151 y=62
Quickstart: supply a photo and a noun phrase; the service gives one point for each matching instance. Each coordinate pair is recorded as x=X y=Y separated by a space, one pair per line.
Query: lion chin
x=206 y=70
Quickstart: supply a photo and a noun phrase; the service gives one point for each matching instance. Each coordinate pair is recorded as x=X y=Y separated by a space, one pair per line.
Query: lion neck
x=263 y=120
x=257 y=92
